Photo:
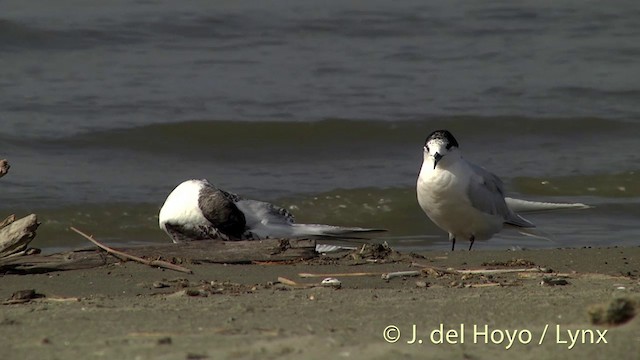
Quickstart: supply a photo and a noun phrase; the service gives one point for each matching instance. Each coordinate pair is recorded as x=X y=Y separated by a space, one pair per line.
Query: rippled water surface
x=322 y=107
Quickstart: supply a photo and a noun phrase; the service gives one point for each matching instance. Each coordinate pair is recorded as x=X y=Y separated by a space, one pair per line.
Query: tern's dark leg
x=453 y=241
x=473 y=238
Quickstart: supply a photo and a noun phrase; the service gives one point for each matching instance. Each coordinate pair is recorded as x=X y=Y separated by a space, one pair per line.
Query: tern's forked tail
x=329 y=230
x=525 y=206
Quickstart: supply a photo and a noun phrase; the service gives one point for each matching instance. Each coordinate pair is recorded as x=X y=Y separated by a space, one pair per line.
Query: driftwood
x=427 y=268
x=15 y=235
x=4 y=167
x=328 y=282
x=123 y=255
x=229 y=252
x=8 y=220
x=313 y=275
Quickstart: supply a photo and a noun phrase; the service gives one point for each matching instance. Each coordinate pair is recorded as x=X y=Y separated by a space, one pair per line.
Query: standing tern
x=464 y=199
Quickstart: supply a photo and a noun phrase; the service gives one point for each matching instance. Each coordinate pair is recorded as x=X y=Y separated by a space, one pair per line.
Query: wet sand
x=240 y=311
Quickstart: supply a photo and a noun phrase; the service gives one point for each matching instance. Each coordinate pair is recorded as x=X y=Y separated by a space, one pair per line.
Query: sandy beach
x=132 y=311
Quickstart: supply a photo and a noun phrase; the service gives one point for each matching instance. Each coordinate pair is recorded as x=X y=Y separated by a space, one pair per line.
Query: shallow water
x=321 y=108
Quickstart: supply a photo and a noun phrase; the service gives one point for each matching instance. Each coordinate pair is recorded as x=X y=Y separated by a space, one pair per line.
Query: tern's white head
x=438 y=145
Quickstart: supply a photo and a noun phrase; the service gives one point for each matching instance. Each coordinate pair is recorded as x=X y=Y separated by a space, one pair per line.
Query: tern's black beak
x=436 y=158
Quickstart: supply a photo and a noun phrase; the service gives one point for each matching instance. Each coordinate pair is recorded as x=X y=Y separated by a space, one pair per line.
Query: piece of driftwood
x=8 y=220
x=315 y=275
x=232 y=252
x=209 y=251
x=427 y=268
x=4 y=167
x=328 y=282
x=291 y=283
x=395 y=274
x=16 y=235
x=123 y=255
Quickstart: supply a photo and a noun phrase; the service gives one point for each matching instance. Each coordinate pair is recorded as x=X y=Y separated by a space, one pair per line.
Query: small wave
x=108 y=221
x=164 y=30
x=588 y=92
x=621 y=185
x=15 y=35
x=364 y=207
x=216 y=137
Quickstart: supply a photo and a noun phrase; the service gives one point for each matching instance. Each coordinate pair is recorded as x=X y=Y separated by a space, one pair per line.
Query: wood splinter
x=11 y=218
x=426 y=268
x=328 y=282
x=4 y=167
x=395 y=274
x=155 y=263
x=313 y=275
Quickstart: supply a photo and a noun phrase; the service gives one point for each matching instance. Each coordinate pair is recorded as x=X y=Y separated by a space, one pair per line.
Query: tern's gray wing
x=265 y=220
x=264 y=212
x=486 y=193
x=264 y=209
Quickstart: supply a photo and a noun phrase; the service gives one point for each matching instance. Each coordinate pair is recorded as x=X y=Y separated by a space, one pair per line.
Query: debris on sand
x=616 y=312
x=553 y=281
x=22 y=296
x=510 y=263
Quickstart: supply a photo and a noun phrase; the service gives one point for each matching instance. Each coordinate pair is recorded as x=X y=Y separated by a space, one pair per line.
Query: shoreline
x=129 y=310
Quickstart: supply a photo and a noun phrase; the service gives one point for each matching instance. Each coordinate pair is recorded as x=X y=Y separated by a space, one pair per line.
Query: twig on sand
x=391 y=275
x=328 y=282
x=502 y=271
x=384 y=275
x=479 y=271
x=62 y=299
x=289 y=282
x=313 y=275
x=483 y=285
x=157 y=263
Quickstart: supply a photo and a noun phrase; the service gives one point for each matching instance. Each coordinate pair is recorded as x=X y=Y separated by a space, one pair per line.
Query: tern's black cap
x=443 y=135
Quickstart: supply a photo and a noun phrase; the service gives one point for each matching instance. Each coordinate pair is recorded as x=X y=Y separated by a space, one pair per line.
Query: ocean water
x=321 y=107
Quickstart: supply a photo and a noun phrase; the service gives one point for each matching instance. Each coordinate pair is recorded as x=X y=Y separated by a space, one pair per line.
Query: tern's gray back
x=486 y=193
x=260 y=211
x=281 y=212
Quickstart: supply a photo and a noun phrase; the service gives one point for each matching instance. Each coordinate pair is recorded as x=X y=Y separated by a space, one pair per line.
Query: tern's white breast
x=442 y=194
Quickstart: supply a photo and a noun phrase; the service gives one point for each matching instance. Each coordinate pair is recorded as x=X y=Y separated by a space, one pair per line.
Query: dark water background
x=322 y=107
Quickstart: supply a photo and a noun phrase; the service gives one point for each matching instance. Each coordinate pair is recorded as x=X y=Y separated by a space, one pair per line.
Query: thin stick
x=500 y=271
x=60 y=299
x=288 y=282
x=392 y=275
x=479 y=271
x=157 y=263
x=483 y=285
x=313 y=275
x=434 y=268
